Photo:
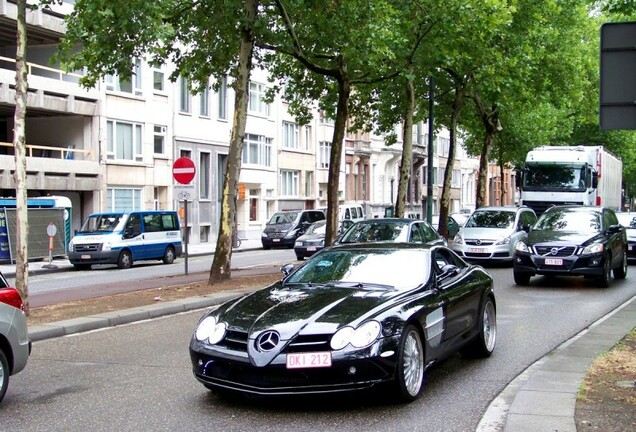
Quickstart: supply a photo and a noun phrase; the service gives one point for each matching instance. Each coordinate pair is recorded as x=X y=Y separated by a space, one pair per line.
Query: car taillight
x=11 y=296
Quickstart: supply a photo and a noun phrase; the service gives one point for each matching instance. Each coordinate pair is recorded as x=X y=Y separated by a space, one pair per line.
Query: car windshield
x=491 y=219
x=363 y=232
x=319 y=227
x=576 y=221
x=283 y=218
x=102 y=223
x=399 y=269
x=628 y=220
x=539 y=176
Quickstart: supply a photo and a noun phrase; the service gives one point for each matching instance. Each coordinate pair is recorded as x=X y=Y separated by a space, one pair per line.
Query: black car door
x=460 y=294
x=615 y=239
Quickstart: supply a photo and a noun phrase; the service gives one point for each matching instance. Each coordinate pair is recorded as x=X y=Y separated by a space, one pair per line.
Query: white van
x=122 y=238
x=353 y=212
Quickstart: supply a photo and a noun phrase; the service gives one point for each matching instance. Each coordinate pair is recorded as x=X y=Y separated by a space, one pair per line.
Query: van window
x=169 y=222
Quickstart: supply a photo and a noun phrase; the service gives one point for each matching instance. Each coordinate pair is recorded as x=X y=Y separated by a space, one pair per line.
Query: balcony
x=51 y=168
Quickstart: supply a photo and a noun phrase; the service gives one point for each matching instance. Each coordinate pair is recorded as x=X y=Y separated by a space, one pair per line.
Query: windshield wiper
x=361 y=285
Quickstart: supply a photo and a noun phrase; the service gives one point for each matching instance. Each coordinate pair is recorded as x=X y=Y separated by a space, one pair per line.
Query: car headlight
x=291 y=234
x=504 y=240
x=521 y=247
x=106 y=246
x=70 y=246
x=264 y=234
x=593 y=248
x=359 y=338
x=458 y=239
x=298 y=243
x=322 y=242
x=210 y=330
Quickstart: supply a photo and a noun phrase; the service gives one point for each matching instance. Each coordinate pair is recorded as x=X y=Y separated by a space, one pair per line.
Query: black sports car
x=349 y=318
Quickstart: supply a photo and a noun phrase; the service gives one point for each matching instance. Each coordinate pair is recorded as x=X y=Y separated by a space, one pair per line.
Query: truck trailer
x=557 y=175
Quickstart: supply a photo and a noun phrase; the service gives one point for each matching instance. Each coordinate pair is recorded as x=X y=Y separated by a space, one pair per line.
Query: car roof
x=384 y=245
x=389 y=219
x=577 y=208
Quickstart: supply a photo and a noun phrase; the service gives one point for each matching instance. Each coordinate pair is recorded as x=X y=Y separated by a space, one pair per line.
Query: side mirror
x=526 y=228
x=595 y=180
x=613 y=229
x=448 y=270
x=287 y=269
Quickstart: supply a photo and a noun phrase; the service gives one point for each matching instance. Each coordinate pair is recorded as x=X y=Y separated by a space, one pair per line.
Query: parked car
x=350 y=318
x=628 y=220
x=391 y=230
x=284 y=227
x=455 y=222
x=122 y=238
x=15 y=345
x=312 y=241
x=491 y=233
x=573 y=241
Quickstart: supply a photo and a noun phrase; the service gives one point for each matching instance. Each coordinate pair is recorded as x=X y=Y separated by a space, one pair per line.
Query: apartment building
x=112 y=147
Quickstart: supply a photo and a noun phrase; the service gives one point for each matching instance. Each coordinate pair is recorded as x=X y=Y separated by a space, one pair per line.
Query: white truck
x=556 y=175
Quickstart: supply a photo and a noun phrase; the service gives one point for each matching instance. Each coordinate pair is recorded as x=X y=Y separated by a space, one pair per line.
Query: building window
x=123 y=199
x=290 y=135
x=159 y=139
x=456 y=180
x=204 y=176
x=309 y=183
x=124 y=140
x=159 y=78
x=326 y=120
x=204 y=234
x=256 y=103
x=223 y=98
x=289 y=183
x=132 y=85
x=204 y=103
x=185 y=98
x=308 y=138
x=325 y=154
x=185 y=153
x=257 y=150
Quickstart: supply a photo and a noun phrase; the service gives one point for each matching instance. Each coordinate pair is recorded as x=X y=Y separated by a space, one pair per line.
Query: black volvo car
x=573 y=241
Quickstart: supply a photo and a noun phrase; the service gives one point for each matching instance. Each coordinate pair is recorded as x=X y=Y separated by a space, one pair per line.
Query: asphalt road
x=138 y=377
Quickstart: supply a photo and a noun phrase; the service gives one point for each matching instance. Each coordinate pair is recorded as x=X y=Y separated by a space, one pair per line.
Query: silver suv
x=491 y=233
x=15 y=345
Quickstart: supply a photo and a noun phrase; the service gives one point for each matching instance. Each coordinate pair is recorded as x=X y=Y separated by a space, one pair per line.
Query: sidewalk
x=543 y=397
x=63 y=264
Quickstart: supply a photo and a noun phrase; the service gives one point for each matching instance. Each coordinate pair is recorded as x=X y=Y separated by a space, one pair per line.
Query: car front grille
x=474 y=242
x=236 y=340
x=88 y=247
x=561 y=251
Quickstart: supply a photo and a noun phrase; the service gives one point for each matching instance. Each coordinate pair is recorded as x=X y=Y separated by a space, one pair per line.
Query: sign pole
x=186 y=236
x=51 y=230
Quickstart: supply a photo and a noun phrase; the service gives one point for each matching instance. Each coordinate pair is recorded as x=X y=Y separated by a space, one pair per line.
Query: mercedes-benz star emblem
x=268 y=341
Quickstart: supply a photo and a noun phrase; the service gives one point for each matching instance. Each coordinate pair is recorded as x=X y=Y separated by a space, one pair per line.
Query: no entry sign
x=183 y=170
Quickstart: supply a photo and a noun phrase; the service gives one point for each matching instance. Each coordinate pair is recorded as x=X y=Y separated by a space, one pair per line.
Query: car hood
x=289 y=310
x=311 y=237
x=284 y=227
x=561 y=237
x=485 y=233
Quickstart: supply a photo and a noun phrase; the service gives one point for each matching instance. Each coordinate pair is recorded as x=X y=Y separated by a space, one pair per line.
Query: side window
x=347 y=214
x=168 y=222
x=429 y=234
x=416 y=235
x=134 y=224
x=612 y=217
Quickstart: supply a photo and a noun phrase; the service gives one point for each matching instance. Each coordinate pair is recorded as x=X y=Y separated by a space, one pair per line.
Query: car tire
x=606 y=278
x=409 y=374
x=125 y=260
x=621 y=272
x=82 y=266
x=4 y=374
x=168 y=255
x=484 y=344
x=300 y=257
x=521 y=278
x=266 y=247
